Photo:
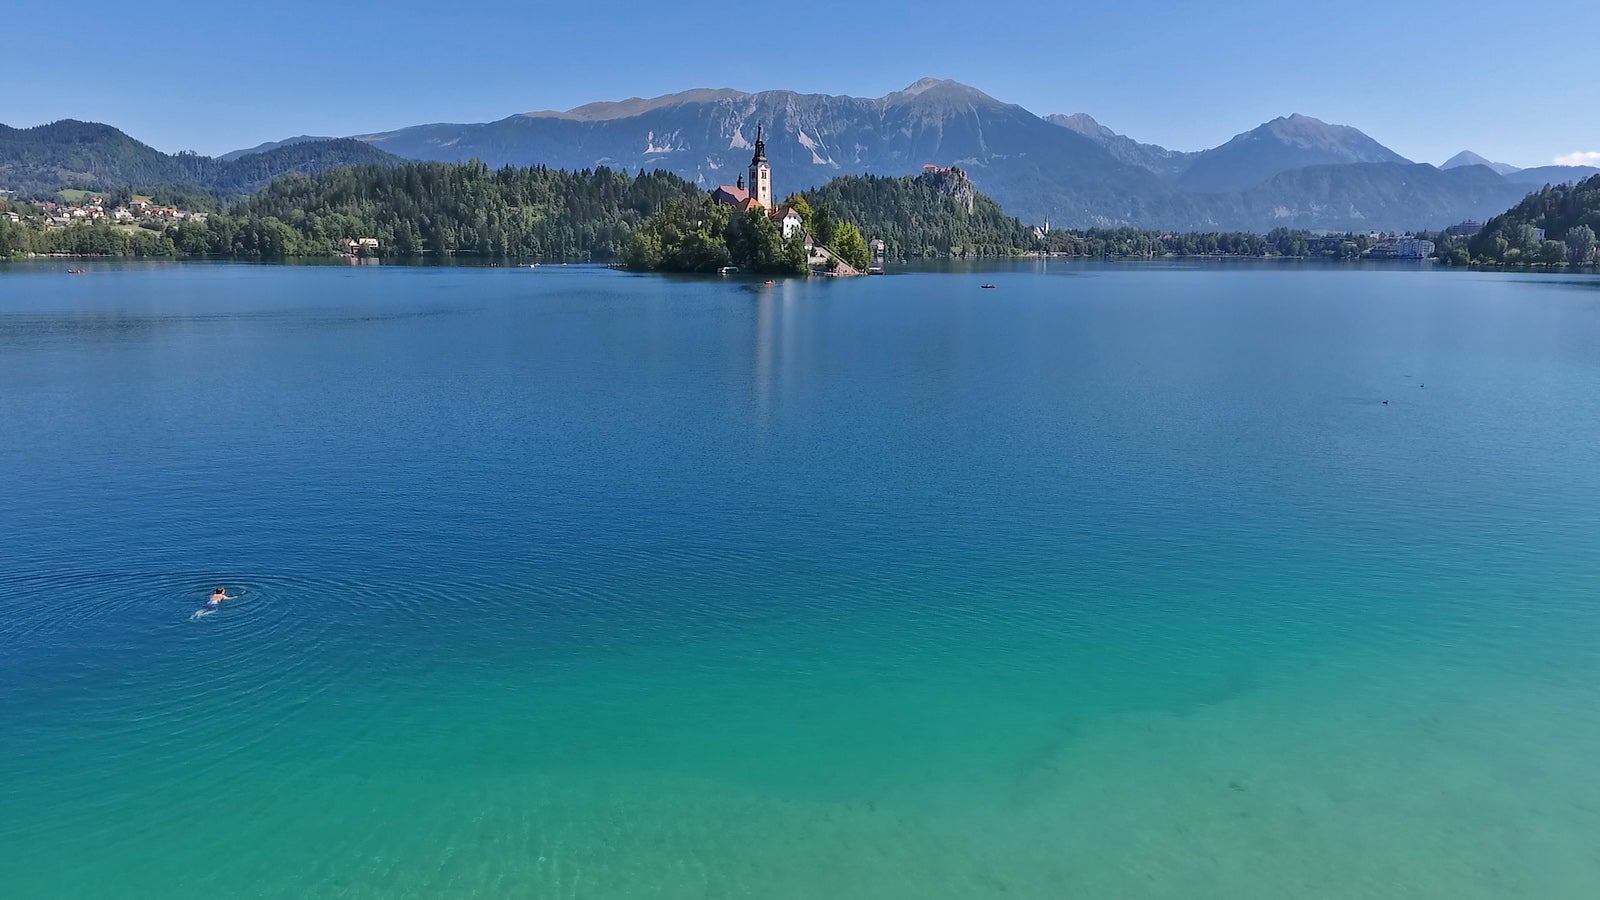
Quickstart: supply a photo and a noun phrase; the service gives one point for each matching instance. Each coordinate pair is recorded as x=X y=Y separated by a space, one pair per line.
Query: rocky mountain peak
x=926 y=90
x=952 y=183
x=1082 y=123
x=1468 y=158
x=926 y=84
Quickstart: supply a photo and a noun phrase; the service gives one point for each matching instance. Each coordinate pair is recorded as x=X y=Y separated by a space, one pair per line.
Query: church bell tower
x=760 y=172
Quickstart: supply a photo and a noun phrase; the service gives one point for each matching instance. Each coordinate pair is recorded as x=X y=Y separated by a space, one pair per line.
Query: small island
x=738 y=228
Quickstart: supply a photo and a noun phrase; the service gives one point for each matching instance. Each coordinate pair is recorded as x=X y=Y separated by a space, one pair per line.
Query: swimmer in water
x=219 y=595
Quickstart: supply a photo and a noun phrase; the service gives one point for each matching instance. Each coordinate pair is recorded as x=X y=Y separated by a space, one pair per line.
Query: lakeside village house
x=93 y=211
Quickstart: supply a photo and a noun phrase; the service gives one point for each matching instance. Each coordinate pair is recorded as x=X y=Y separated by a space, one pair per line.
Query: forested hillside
x=411 y=208
x=1569 y=216
x=443 y=208
x=937 y=213
x=90 y=156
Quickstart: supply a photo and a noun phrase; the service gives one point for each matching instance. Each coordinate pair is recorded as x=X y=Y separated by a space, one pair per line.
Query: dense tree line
x=446 y=208
x=21 y=238
x=938 y=214
x=658 y=221
x=410 y=209
x=246 y=238
x=1119 y=243
x=1567 y=214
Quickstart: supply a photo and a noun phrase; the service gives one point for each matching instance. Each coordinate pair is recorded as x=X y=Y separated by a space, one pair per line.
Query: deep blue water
x=1112 y=581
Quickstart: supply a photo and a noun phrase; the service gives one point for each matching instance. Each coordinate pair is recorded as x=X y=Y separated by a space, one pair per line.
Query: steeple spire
x=761 y=171
x=761 y=146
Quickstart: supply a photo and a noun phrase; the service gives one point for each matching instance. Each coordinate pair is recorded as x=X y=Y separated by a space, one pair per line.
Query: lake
x=1166 y=581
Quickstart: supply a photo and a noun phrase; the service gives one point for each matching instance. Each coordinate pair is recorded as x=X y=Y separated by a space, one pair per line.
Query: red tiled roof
x=748 y=204
x=729 y=194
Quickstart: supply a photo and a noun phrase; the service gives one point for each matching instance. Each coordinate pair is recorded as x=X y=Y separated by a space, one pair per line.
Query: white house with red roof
x=789 y=219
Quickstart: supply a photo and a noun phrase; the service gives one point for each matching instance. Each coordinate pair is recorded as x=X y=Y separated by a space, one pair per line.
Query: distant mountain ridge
x=92 y=156
x=1283 y=144
x=1068 y=170
x=1468 y=158
x=1373 y=196
x=1539 y=176
x=1168 y=164
x=1037 y=169
x=273 y=145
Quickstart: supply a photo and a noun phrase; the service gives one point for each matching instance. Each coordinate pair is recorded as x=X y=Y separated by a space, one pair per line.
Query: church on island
x=758 y=195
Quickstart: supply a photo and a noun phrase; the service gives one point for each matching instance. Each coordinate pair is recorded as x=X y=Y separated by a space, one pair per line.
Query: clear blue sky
x=1515 y=83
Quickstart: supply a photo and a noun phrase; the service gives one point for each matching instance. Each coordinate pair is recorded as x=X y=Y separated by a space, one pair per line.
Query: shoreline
x=465 y=260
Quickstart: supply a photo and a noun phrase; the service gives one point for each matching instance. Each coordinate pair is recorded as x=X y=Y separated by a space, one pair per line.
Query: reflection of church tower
x=760 y=173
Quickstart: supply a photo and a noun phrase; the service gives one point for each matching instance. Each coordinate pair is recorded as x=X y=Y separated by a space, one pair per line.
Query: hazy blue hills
x=1290 y=142
x=1300 y=172
x=1168 y=164
x=92 y=156
x=1375 y=195
x=1538 y=176
x=273 y=145
x=1248 y=160
x=1468 y=158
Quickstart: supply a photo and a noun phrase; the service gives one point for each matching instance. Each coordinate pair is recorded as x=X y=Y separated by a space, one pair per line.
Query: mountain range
x=1468 y=158
x=1536 y=177
x=1069 y=170
x=73 y=154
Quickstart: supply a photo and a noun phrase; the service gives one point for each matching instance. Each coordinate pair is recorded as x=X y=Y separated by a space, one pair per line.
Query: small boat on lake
x=75 y=271
x=987 y=287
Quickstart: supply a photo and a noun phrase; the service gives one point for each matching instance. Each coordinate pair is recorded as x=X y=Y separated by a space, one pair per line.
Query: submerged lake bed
x=1150 y=580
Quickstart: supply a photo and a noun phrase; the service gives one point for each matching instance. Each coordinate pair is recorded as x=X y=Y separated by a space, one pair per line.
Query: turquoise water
x=1111 y=582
